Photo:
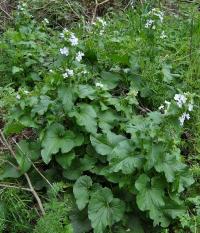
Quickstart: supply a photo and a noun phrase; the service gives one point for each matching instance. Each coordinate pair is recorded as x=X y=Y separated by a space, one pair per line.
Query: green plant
x=98 y=125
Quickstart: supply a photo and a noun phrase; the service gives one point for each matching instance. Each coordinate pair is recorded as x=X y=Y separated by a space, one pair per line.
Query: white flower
x=102 y=21
x=18 y=97
x=79 y=56
x=46 y=20
x=126 y=70
x=163 y=35
x=161 y=107
x=190 y=107
x=73 y=39
x=68 y=73
x=149 y=23
x=65 y=75
x=51 y=71
x=183 y=117
x=99 y=85
x=115 y=69
x=65 y=31
x=180 y=99
x=64 y=51
x=26 y=92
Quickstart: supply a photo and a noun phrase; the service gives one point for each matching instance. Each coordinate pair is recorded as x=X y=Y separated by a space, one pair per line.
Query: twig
x=25 y=174
x=15 y=187
x=96 y=7
x=5 y=12
x=33 y=164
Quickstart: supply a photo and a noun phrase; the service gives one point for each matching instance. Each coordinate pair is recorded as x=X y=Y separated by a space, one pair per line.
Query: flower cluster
x=180 y=100
x=79 y=56
x=154 y=13
x=64 y=51
x=68 y=73
x=100 y=85
x=149 y=23
x=163 y=35
x=183 y=117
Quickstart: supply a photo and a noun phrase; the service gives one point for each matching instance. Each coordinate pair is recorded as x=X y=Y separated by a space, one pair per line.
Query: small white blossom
x=65 y=31
x=64 y=51
x=68 y=73
x=163 y=35
x=18 y=97
x=26 y=92
x=51 y=71
x=46 y=20
x=190 y=107
x=161 y=107
x=183 y=117
x=79 y=56
x=102 y=21
x=149 y=23
x=180 y=99
x=126 y=70
x=73 y=39
x=99 y=85
x=115 y=69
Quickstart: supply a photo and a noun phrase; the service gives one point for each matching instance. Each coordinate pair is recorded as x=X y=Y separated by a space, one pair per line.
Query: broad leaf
x=66 y=95
x=110 y=80
x=104 y=144
x=81 y=191
x=86 y=91
x=104 y=210
x=65 y=160
x=86 y=116
x=27 y=152
x=56 y=138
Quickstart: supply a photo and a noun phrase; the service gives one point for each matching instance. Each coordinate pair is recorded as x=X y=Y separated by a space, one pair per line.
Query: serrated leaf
x=85 y=116
x=169 y=164
x=104 y=210
x=42 y=106
x=65 y=160
x=56 y=139
x=150 y=197
x=104 y=144
x=66 y=95
x=81 y=191
x=110 y=80
x=86 y=91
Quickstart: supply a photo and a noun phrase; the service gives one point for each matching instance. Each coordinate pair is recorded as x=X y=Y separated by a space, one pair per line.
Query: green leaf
x=66 y=95
x=110 y=80
x=65 y=160
x=86 y=116
x=80 y=221
x=42 y=106
x=57 y=138
x=13 y=127
x=150 y=196
x=81 y=191
x=104 y=210
x=168 y=76
x=170 y=165
x=86 y=91
x=27 y=152
x=104 y=144
x=124 y=158
x=16 y=69
x=9 y=171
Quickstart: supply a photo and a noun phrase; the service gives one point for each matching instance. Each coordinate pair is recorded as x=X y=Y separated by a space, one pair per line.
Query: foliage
x=92 y=95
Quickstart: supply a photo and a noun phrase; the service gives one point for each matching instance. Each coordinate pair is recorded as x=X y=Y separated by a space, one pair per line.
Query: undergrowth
x=102 y=116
